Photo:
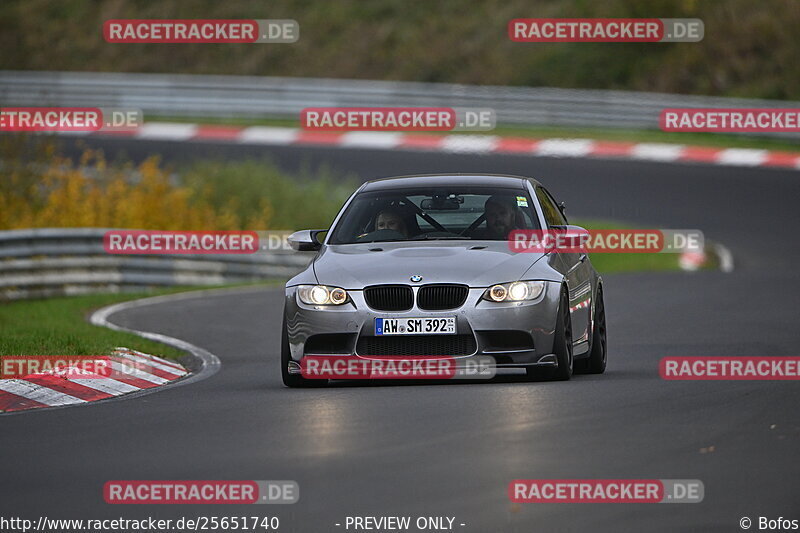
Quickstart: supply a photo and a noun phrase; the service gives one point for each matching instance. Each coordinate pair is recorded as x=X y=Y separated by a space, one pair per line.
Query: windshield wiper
x=420 y=238
x=377 y=240
x=440 y=238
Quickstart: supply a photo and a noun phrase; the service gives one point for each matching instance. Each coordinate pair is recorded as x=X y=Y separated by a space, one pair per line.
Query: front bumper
x=515 y=334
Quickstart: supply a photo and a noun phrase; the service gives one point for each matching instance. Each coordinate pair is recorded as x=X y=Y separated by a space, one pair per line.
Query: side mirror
x=563 y=208
x=572 y=238
x=306 y=240
x=571 y=228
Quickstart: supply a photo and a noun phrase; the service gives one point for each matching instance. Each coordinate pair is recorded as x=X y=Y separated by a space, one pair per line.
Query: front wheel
x=562 y=347
x=599 y=354
x=562 y=343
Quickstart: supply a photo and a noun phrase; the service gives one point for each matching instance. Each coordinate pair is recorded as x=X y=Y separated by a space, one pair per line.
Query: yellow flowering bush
x=39 y=188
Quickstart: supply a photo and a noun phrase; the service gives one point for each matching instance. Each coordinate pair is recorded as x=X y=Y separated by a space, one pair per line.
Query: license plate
x=415 y=326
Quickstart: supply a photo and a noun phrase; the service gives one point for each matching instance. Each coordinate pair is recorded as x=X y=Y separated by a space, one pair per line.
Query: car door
x=577 y=271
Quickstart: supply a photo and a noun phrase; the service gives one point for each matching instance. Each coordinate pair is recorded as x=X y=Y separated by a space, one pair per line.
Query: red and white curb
x=133 y=372
x=695 y=260
x=468 y=144
x=692 y=261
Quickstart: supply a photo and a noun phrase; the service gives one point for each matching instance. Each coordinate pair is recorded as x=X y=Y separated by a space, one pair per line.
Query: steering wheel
x=381 y=235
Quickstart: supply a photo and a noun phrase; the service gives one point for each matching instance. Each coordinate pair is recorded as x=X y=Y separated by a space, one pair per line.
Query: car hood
x=474 y=263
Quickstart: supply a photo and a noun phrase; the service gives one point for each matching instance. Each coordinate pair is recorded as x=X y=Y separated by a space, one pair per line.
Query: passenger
x=391 y=219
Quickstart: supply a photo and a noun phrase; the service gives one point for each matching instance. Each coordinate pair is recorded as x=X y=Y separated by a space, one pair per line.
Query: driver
x=501 y=216
x=392 y=219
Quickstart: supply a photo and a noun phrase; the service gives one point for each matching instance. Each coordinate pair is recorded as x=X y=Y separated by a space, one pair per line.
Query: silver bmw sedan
x=424 y=266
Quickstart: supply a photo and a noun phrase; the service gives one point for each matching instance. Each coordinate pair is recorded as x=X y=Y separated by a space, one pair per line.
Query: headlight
x=321 y=295
x=516 y=291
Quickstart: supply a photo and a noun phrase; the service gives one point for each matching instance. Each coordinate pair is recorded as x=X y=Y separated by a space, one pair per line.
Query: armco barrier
x=63 y=261
x=274 y=97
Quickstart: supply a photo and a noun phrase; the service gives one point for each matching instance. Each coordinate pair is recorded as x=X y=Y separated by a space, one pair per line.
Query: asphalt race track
x=452 y=449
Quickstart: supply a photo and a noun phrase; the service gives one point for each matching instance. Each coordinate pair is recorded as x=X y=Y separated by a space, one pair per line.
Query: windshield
x=416 y=214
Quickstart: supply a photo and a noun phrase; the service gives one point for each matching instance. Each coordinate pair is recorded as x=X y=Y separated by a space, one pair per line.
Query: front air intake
x=389 y=297
x=442 y=297
x=405 y=345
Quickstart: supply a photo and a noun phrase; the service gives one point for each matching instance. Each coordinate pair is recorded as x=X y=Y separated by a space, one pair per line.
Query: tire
x=562 y=343
x=596 y=363
x=562 y=347
x=294 y=380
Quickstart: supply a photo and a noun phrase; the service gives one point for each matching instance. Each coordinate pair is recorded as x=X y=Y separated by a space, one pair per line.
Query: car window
x=433 y=213
x=552 y=214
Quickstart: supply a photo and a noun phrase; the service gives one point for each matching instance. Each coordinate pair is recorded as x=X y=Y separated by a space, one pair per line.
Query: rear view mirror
x=442 y=203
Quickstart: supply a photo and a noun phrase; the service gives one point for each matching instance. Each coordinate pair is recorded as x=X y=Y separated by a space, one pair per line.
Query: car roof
x=435 y=180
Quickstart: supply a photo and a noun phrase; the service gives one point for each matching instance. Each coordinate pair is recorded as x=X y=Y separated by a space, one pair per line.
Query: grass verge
x=614 y=263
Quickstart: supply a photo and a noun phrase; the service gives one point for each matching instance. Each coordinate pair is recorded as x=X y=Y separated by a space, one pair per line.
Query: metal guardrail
x=54 y=261
x=275 y=97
